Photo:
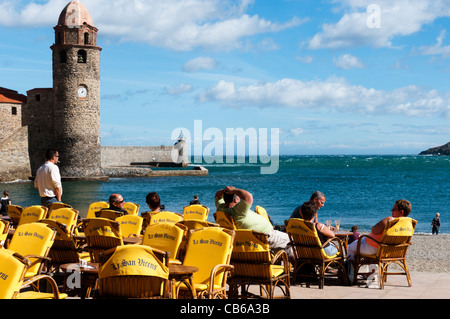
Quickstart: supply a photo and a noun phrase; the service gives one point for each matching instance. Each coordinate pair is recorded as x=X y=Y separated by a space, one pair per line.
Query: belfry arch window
x=82 y=56
x=63 y=56
x=86 y=38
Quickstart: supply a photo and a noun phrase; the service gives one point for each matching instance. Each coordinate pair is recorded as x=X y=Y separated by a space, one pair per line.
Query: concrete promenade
x=424 y=286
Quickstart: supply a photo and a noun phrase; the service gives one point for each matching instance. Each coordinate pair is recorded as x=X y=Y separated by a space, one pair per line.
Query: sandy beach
x=429 y=253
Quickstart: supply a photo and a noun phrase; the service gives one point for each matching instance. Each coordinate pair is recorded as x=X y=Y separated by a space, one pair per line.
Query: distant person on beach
x=154 y=202
x=48 y=179
x=354 y=236
x=4 y=203
x=435 y=224
x=318 y=198
x=237 y=203
x=116 y=203
x=195 y=201
x=401 y=208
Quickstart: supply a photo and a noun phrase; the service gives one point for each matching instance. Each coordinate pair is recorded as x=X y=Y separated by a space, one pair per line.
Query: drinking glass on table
x=337 y=222
x=328 y=223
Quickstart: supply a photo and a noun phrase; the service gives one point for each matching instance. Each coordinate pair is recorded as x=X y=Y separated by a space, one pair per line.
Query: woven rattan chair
x=33 y=241
x=95 y=207
x=14 y=213
x=197 y=211
x=165 y=217
x=109 y=214
x=134 y=271
x=224 y=220
x=170 y=237
x=65 y=248
x=393 y=246
x=262 y=211
x=4 y=229
x=32 y=214
x=101 y=234
x=309 y=250
x=131 y=208
x=13 y=268
x=255 y=264
x=130 y=225
x=55 y=206
x=209 y=249
x=67 y=216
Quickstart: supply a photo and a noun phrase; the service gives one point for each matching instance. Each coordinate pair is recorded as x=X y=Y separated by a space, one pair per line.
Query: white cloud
x=179 y=90
x=200 y=63
x=396 y=18
x=333 y=94
x=437 y=49
x=348 y=61
x=175 y=24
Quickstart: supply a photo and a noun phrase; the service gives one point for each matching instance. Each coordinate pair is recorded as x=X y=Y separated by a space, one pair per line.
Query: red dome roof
x=75 y=15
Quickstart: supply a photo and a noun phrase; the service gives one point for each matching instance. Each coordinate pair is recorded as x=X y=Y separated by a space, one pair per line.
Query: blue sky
x=334 y=76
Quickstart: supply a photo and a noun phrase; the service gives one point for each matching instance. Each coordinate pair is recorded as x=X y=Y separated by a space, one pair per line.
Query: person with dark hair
x=48 y=179
x=435 y=224
x=195 y=201
x=309 y=211
x=116 y=203
x=237 y=203
x=4 y=203
x=318 y=198
x=154 y=202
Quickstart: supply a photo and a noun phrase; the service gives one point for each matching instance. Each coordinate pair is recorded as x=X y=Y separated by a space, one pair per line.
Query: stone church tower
x=76 y=93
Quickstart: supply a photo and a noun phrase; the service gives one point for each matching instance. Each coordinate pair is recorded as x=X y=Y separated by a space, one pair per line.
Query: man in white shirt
x=48 y=179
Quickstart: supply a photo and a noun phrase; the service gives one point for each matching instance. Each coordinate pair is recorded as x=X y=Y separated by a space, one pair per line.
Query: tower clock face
x=82 y=92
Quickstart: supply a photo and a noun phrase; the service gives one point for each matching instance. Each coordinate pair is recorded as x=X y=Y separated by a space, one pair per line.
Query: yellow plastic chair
x=224 y=220
x=134 y=271
x=32 y=214
x=33 y=241
x=262 y=211
x=131 y=208
x=394 y=245
x=165 y=217
x=101 y=234
x=65 y=248
x=168 y=237
x=309 y=250
x=14 y=213
x=109 y=214
x=130 y=225
x=197 y=211
x=13 y=268
x=4 y=229
x=254 y=264
x=95 y=207
x=209 y=249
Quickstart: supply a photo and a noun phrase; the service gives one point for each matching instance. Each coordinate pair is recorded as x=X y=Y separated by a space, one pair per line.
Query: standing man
x=48 y=179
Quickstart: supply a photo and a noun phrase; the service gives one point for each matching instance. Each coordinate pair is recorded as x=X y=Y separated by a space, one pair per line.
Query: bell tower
x=76 y=86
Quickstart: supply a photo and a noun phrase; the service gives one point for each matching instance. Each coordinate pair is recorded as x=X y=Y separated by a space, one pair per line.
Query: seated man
x=237 y=203
x=116 y=203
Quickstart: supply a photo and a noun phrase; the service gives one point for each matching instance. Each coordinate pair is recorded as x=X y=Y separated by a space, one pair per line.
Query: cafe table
x=343 y=234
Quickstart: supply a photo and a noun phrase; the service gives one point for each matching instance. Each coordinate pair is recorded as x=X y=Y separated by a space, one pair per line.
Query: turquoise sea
x=360 y=190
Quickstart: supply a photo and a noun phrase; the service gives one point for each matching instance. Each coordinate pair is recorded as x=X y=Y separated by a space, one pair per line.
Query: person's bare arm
x=242 y=194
